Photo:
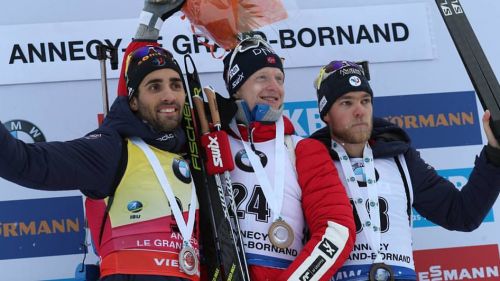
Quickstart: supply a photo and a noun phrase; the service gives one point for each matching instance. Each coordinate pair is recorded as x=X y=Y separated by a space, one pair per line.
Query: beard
x=157 y=121
x=353 y=134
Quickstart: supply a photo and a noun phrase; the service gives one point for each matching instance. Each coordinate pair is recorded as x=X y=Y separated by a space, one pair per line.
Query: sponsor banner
x=466 y=263
x=304 y=116
x=434 y=120
x=431 y=120
x=381 y=33
x=66 y=51
x=39 y=227
x=459 y=177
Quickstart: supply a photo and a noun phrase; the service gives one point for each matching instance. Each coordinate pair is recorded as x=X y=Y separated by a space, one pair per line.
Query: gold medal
x=281 y=234
x=188 y=262
x=381 y=272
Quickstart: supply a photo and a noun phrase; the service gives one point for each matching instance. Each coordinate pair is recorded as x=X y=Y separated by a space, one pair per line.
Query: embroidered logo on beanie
x=355 y=81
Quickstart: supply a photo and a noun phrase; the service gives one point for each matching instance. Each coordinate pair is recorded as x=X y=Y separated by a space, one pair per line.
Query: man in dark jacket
x=385 y=177
x=130 y=168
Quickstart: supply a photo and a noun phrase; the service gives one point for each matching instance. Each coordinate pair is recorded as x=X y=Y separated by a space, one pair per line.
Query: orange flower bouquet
x=223 y=20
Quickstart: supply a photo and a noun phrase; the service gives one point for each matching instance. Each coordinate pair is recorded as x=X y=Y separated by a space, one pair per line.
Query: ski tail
x=478 y=68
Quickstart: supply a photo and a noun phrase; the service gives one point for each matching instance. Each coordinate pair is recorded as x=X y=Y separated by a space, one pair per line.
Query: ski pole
x=212 y=247
x=214 y=112
x=212 y=144
x=104 y=52
x=225 y=237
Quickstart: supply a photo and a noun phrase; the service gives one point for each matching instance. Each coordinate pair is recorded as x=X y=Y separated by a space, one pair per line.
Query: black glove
x=227 y=110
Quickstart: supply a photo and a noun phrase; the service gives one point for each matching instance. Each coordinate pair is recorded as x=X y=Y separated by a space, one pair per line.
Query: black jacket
x=434 y=197
x=93 y=164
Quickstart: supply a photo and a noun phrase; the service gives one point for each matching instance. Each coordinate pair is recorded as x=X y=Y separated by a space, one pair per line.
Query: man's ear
x=133 y=103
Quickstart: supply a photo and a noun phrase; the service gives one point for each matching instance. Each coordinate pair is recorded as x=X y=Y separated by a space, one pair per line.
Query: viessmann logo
x=466 y=263
x=38 y=228
x=435 y=119
x=25 y=131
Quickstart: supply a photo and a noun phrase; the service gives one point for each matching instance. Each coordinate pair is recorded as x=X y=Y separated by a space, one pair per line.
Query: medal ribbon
x=369 y=221
x=186 y=228
x=274 y=195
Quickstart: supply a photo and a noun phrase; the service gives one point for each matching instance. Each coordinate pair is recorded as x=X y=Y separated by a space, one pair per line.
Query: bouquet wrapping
x=223 y=20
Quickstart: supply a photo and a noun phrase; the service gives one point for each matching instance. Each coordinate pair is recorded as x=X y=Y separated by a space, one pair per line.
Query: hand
x=487 y=130
x=163 y=8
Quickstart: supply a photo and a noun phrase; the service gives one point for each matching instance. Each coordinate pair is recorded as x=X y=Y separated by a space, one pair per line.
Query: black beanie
x=245 y=63
x=145 y=60
x=336 y=79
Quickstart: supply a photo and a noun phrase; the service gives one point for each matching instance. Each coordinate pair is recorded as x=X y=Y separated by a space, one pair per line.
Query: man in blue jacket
x=385 y=177
x=130 y=168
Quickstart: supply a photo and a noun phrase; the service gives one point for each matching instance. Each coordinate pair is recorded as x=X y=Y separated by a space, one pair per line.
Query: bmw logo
x=243 y=162
x=25 y=131
x=181 y=170
x=134 y=206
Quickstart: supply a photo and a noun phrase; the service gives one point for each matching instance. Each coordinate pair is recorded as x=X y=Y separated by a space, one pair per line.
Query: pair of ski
x=478 y=68
x=210 y=162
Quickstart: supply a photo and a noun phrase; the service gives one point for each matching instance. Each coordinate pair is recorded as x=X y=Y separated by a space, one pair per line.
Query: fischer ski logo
x=214 y=147
x=191 y=137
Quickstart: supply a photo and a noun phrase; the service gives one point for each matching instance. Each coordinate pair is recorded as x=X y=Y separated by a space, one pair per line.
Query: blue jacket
x=434 y=197
x=93 y=164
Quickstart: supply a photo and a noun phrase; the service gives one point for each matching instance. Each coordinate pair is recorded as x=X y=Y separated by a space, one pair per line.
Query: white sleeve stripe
x=324 y=254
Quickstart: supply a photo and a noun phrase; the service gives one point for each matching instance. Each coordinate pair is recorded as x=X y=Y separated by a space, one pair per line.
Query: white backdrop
x=62 y=97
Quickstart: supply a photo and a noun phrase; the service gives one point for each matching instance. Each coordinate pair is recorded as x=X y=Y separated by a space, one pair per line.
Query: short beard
x=168 y=125
x=353 y=137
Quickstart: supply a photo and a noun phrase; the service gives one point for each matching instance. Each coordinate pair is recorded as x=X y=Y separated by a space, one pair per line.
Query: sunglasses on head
x=337 y=65
x=149 y=50
x=248 y=43
x=145 y=52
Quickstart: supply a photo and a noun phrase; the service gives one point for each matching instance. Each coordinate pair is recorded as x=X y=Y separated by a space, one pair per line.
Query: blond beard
x=352 y=136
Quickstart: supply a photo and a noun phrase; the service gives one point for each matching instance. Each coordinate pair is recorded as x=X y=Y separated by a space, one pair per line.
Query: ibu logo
x=134 y=206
